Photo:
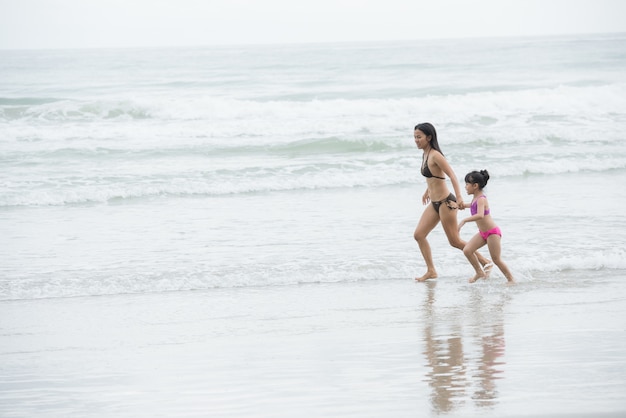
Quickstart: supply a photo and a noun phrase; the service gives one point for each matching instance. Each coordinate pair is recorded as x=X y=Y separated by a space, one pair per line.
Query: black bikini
x=427 y=173
x=447 y=200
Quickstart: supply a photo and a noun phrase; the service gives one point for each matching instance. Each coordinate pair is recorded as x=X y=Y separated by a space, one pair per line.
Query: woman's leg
x=451 y=228
x=427 y=222
x=495 y=249
x=470 y=251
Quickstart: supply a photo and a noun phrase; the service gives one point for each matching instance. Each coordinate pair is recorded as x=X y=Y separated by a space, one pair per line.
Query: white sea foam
x=227 y=117
x=301 y=146
x=254 y=209
x=297 y=177
x=199 y=277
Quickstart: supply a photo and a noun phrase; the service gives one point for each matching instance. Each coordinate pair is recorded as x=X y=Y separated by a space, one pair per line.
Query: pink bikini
x=474 y=211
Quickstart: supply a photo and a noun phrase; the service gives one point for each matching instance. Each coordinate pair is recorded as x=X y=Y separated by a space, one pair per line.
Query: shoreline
x=344 y=349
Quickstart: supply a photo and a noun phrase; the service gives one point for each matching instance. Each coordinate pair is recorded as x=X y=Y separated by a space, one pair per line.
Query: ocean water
x=151 y=170
x=229 y=231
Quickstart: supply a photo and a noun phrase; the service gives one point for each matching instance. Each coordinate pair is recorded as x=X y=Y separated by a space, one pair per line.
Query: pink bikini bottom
x=492 y=231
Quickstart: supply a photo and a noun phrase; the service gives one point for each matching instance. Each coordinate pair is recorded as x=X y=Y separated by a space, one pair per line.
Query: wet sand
x=550 y=346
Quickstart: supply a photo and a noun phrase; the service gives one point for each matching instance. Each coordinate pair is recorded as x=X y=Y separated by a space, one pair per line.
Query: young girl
x=488 y=231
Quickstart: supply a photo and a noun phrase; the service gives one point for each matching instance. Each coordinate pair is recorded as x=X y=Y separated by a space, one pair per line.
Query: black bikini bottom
x=447 y=200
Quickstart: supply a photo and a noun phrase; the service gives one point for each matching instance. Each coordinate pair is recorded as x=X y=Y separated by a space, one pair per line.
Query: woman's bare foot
x=487 y=267
x=430 y=274
x=481 y=275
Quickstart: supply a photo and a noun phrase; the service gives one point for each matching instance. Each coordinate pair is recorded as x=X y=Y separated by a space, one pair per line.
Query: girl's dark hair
x=429 y=130
x=481 y=177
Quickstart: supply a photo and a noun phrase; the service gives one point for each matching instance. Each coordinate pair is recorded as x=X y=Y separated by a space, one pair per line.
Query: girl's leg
x=427 y=222
x=470 y=251
x=493 y=242
x=451 y=228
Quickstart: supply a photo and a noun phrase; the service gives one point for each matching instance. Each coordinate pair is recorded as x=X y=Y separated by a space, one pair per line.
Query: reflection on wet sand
x=464 y=345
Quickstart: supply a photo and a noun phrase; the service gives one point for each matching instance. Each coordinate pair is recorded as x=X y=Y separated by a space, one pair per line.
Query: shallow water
x=553 y=346
x=228 y=231
x=171 y=169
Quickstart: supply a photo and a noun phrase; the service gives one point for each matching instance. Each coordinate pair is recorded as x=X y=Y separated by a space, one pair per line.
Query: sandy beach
x=552 y=346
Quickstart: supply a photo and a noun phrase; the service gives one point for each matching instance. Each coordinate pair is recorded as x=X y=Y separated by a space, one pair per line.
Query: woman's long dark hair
x=429 y=130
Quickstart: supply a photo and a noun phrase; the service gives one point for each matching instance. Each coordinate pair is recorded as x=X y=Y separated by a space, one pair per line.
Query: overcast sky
x=133 y=23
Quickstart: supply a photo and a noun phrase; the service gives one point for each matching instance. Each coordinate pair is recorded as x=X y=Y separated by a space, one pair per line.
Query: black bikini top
x=426 y=171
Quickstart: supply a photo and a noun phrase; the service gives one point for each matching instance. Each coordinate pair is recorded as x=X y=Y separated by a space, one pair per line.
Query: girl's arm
x=441 y=161
x=426 y=197
x=480 y=213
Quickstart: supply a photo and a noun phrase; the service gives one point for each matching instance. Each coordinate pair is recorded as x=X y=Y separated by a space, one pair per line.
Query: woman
x=443 y=204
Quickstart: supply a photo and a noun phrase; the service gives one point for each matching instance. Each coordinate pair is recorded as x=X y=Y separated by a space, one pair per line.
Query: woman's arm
x=442 y=163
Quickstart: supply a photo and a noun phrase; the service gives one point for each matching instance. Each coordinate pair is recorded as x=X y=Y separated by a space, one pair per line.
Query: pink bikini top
x=474 y=207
